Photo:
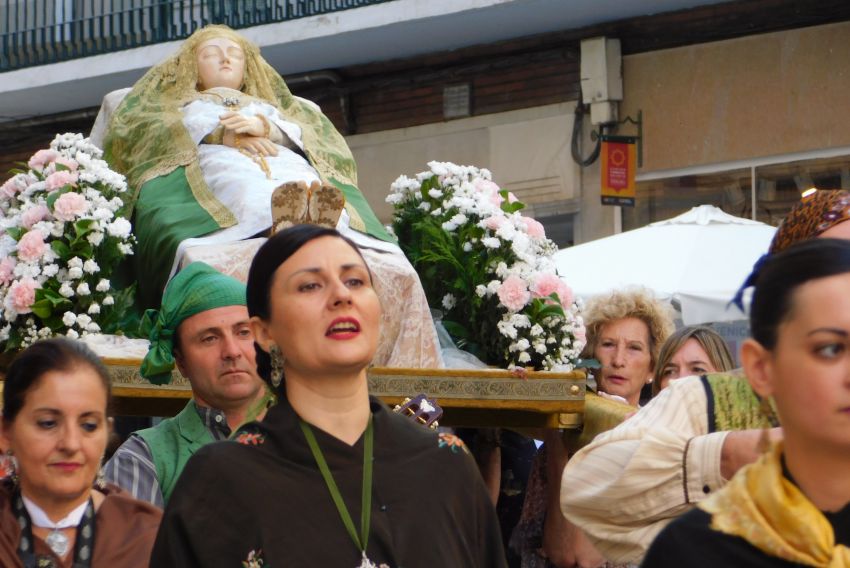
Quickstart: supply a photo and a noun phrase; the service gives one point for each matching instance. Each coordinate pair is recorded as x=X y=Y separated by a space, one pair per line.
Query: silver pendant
x=58 y=542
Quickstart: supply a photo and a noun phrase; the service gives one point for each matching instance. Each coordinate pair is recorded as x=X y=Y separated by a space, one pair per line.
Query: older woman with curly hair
x=625 y=332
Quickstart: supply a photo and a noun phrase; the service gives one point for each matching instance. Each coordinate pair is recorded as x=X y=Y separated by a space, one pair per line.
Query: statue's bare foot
x=326 y=205
x=289 y=205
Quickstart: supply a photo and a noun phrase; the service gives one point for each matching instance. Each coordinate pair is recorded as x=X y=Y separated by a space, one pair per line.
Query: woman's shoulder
x=406 y=437
x=120 y=506
x=690 y=541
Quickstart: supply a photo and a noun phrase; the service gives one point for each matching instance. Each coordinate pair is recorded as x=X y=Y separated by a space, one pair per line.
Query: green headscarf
x=197 y=288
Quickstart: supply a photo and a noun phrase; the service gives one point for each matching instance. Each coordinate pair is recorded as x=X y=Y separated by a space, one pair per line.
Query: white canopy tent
x=696 y=260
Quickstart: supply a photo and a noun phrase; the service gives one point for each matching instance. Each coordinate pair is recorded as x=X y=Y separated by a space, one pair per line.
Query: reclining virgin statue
x=205 y=138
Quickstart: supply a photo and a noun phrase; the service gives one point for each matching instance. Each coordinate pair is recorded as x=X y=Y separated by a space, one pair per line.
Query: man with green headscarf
x=202 y=328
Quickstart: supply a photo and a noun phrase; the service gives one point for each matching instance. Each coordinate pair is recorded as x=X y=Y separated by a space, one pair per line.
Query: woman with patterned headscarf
x=687 y=442
x=205 y=138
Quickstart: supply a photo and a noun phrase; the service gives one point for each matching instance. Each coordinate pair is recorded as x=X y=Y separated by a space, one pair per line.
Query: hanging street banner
x=619 y=162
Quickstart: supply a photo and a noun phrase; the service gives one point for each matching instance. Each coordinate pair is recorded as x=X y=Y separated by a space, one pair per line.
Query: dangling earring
x=11 y=467
x=100 y=480
x=277 y=365
x=766 y=411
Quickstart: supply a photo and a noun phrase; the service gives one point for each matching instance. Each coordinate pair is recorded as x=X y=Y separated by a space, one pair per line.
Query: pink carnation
x=513 y=293
x=494 y=223
x=22 y=295
x=58 y=180
x=33 y=215
x=534 y=228
x=565 y=294
x=68 y=163
x=10 y=188
x=547 y=284
x=31 y=246
x=69 y=205
x=7 y=270
x=41 y=159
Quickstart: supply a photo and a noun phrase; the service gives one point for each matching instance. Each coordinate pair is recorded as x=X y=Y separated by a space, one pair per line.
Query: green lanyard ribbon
x=366 y=495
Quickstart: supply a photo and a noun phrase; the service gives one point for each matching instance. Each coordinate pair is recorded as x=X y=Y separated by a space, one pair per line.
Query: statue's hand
x=256 y=145
x=241 y=124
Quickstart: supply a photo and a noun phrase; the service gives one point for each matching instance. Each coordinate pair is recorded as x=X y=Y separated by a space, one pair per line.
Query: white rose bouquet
x=62 y=234
x=488 y=268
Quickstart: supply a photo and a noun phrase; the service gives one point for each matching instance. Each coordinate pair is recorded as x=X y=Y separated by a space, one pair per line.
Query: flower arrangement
x=62 y=234
x=487 y=267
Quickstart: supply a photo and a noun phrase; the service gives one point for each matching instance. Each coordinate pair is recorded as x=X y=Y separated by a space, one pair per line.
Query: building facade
x=741 y=102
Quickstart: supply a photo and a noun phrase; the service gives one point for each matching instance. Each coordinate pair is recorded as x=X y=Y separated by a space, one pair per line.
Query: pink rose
x=41 y=159
x=58 y=180
x=22 y=295
x=67 y=162
x=31 y=246
x=7 y=270
x=534 y=228
x=33 y=215
x=513 y=293
x=494 y=223
x=69 y=205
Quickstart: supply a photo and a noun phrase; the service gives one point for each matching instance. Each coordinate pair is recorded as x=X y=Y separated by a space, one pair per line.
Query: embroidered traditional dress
x=124 y=532
x=261 y=501
x=760 y=519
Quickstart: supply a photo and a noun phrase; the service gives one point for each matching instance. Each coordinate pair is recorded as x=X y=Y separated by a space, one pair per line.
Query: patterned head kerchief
x=197 y=288
x=811 y=217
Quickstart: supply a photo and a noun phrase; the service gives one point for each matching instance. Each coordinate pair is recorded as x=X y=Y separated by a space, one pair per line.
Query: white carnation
x=66 y=290
x=50 y=270
x=95 y=238
x=91 y=266
x=120 y=228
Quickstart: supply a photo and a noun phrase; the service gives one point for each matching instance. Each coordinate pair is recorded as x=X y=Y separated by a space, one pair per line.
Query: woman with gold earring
x=55 y=425
x=792 y=506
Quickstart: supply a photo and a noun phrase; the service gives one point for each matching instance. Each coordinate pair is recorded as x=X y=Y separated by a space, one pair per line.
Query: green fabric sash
x=166 y=214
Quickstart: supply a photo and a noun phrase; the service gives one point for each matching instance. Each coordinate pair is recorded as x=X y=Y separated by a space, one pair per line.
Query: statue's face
x=221 y=63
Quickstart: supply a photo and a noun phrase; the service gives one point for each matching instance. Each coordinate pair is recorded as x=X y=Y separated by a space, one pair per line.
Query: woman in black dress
x=791 y=507
x=331 y=477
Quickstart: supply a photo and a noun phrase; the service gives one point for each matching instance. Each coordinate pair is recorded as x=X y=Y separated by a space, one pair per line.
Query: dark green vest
x=172 y=442
x=732 y=404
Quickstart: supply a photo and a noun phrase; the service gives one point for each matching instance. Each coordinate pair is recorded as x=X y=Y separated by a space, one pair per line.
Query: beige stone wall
x=528 y=152
x=750 y=97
